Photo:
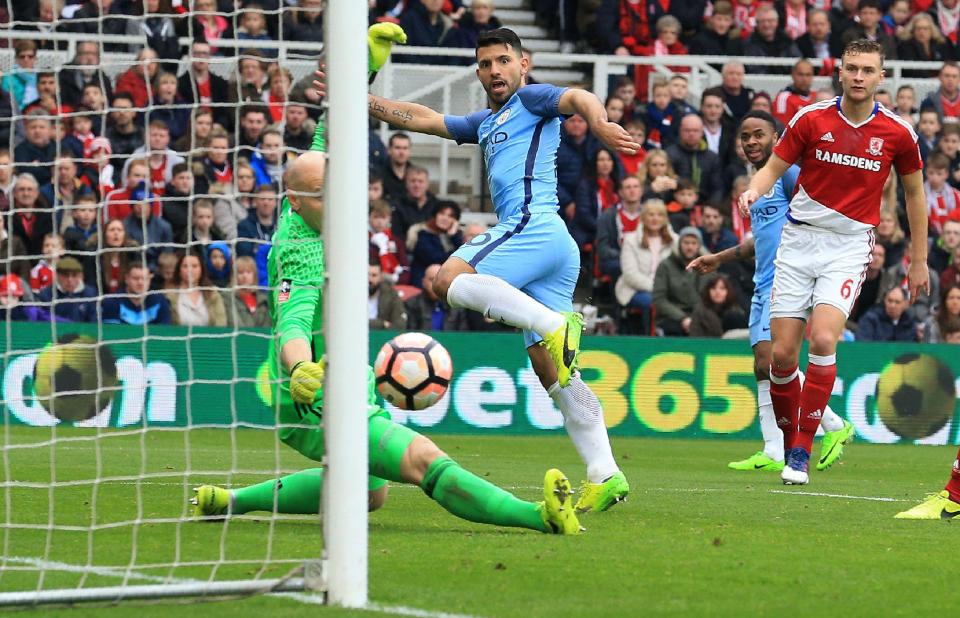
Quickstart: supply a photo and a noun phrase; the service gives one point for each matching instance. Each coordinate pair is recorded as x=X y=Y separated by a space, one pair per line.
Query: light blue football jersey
x=767 y=218
x=519 y=147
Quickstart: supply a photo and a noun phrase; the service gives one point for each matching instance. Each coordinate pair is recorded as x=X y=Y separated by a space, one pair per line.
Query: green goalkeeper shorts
x=301 y=428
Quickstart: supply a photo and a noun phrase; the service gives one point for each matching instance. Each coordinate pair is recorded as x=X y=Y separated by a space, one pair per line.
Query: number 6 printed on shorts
x=846 y=289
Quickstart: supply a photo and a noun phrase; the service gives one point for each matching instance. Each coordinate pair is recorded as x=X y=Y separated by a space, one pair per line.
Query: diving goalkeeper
x=396 y=453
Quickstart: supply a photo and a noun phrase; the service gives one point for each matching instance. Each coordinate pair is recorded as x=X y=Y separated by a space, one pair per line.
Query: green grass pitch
x=693 y=539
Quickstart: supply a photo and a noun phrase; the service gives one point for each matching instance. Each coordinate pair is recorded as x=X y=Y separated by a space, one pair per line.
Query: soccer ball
x=413 y=371
x=916 y=396
x=74 y=378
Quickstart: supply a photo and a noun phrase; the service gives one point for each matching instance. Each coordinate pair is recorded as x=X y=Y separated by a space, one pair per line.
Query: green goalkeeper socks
x=469 y=497
x=296 y=494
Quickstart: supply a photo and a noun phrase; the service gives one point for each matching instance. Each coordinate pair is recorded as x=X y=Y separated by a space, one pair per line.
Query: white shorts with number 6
x=815 y=266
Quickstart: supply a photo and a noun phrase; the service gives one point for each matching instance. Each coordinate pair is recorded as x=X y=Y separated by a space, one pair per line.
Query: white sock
x=497 y=299
x=830 y=420
x=583 y=420
x=772 y=436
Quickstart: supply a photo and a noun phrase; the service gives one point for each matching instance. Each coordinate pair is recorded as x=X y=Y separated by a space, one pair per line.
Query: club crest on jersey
x=876 y=146
x=502 y=118
x=283 y=294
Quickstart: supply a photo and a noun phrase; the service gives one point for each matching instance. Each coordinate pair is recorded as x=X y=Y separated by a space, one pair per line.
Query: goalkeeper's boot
x=210 y=501
x=564 y=345
x=937 y=506
x=757 y=461
x=831 y=448
x=598 y=497
x=796 y=466
x=557 y=506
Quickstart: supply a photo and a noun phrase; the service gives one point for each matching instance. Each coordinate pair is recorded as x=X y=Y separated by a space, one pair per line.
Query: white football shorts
x=815 y=266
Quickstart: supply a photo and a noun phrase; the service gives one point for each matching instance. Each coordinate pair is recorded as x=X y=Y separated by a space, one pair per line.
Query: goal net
x=142 y=162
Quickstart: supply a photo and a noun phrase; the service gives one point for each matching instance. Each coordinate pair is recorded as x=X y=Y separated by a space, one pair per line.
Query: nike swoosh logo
x=766 y=328
x=568 y=354
x=759 y=466
x=945 y=514
x=832 y=448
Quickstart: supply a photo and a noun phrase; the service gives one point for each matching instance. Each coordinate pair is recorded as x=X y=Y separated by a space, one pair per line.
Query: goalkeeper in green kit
x=396 y=453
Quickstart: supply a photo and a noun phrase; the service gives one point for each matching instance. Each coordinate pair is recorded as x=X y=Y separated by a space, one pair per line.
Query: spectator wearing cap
x=99 y=170
x=12 y=252
x=152 y=232
x=136 y=304
x=13 y=295
x=676 y=291
x=34 y=154
x=68 y=298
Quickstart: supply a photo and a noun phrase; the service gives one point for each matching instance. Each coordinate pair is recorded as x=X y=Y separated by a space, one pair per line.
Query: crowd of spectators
x=151 y=197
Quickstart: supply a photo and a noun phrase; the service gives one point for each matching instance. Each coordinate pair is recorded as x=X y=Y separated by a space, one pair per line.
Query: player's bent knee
x=377 y=498
x=420 y=454
x=823 y=342
x=784 y=355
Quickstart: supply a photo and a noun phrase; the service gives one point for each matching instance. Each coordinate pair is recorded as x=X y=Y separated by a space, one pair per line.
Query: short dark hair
x=179 y=168
x=685 y=184
x=255 y=109
x=126 y=96
x=864 y=46
x=501 y=36
x=949 y=63
x=444 y=205
x=760 y=115
x=716 y=91
x=869 y=4
x=938 y=161
x=397 y=135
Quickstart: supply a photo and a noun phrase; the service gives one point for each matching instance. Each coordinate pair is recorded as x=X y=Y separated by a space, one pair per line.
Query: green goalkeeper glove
x=380 y=40
x=306 y=380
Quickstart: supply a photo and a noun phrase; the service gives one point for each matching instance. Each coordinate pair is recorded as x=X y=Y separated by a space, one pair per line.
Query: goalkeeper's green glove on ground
x=380 y=40
x=306 y=380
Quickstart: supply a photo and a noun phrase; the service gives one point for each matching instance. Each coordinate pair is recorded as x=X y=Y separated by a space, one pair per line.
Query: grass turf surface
x=694 y=537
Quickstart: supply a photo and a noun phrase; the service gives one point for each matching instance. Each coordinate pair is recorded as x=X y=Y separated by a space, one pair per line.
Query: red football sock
x=821 y=373
x=785 y=393
x=953 y=486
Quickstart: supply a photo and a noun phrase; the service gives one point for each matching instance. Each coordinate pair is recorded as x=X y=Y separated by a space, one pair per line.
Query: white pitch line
x=842 y=496
x=301 y=597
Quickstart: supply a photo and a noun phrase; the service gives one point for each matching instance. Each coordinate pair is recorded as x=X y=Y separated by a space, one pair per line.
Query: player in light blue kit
x=758 y=134
x=523 y=271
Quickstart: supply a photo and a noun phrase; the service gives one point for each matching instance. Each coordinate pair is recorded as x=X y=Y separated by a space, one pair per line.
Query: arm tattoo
x=376 y=108
x=403 y=116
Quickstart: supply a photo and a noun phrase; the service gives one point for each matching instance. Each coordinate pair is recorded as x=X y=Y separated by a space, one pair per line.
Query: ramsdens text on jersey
x=848 y=160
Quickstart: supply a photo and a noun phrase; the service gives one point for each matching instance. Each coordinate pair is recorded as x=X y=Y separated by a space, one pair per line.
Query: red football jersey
x=843 y=166
x=787 y=103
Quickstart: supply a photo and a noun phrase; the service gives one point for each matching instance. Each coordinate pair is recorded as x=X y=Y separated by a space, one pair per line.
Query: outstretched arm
x=586 y=104
x=712 y=261
x=408 y=116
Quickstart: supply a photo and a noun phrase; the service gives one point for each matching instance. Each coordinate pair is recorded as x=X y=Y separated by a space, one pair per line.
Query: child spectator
x=81 y=224
x=631 y=163
x=660 y=117
x=906 y=103
x=614 y=107
x=246 y=304
x=434 y=240
x=253 y=27
x=683 y=210
x=219 y=264
x=194 y=302
x=718 y=311
x=41 y=275
x=391 y=255
x=202 y=231
x=280 y=81
x=928 y=129
x=79 y=142
x=942 y=199
x=12 y=296
x=626 y=91
x=949 y=145
x=374 y=187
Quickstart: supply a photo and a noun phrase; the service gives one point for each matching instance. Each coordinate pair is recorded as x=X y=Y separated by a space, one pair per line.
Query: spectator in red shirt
x=134 y=81
x=31 y=218
x=614 y=224
x=946 y=99
x=391 y=255
x=201 y=87
x=119 y=203
x=942 y=199
x=798 y=94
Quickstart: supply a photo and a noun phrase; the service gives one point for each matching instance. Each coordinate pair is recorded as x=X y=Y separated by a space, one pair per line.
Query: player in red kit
x=846 y=148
